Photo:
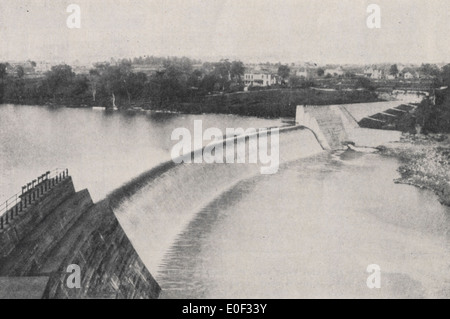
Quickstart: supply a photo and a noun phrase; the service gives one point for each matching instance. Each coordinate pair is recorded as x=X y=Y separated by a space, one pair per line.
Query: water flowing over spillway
x=226 y=230
x=166 y=204
x=315 y=236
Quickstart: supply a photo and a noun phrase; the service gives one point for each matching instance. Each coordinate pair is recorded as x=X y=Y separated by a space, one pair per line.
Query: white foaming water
x=310 y=232
x=161 y=210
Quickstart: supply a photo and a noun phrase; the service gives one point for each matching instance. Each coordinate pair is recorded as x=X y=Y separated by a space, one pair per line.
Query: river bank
x=426 y=162
x=263 y=104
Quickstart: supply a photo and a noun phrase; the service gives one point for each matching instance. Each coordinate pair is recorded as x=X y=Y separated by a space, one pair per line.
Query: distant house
x=409 y=76
x=375 y=74
x=334 y=72
x=42 y=67
x=260 y=78
x=368 y=72
x=27 y=67
x=302 y=73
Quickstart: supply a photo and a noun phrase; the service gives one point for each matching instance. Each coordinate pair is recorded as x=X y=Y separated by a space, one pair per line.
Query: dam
x=214 y=230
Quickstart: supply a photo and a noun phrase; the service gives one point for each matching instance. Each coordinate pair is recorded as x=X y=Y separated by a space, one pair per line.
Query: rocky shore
x=425 y=162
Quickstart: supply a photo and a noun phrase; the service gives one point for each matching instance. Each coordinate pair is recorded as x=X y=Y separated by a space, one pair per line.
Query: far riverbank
x=270 y=104
x=426 y=162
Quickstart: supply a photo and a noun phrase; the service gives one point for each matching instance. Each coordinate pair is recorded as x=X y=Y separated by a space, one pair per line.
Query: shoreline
x=425 y=162
x=264 y=104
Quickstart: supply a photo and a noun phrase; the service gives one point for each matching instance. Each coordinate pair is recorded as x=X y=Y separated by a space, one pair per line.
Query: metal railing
x=31 y=192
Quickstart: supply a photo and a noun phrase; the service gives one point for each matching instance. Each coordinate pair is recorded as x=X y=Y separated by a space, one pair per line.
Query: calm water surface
x=101 y=150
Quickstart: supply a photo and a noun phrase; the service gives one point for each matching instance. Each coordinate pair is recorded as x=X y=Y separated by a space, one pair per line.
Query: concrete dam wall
x=54 y=227
x=336 y=125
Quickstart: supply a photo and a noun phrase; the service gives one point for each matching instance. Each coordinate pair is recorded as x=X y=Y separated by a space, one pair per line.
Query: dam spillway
x=117 y=258
x=165 y=204
x=152 y=209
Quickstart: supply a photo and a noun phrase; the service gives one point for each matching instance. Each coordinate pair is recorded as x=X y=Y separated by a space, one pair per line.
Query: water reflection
x=102 y=150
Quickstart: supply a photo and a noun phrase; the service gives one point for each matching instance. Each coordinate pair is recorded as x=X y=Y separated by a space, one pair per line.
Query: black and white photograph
x=224 y=150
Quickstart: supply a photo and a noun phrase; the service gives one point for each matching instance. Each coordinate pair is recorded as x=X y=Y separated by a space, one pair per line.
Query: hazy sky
x=324 y=31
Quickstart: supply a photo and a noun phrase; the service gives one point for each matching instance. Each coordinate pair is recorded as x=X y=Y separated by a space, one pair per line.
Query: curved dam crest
x=163 y=201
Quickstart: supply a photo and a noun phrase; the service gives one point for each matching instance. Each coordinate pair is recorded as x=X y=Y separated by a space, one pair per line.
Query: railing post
x=12 y=214
x=1 y=222
x=6 y=219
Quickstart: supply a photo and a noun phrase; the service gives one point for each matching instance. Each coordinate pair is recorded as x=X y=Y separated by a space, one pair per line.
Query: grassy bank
x=425 y=162
x=274 y=103
x=270 y=103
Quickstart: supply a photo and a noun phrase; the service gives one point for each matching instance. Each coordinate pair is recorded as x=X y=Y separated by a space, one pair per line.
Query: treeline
x=431 y=116
x=119 y=85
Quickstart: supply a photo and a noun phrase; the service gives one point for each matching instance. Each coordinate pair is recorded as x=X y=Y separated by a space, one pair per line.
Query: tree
x=393 y=70
x=295 y=81
x=320 y=72
x=20 y=72
x=364 y=83
x=115 y=80
x=3 y=72
x=94 y=80
x=58 y=79
x=446 y=74
x=222 y=71
x=430 y=70
x=237 y=70
x=284 y=71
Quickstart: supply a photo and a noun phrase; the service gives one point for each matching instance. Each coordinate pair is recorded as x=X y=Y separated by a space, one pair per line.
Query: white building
x=302 y=73
x=375 y=74
x=408 y=76
x=42 y=67
x=260 y=79
x=334 y=72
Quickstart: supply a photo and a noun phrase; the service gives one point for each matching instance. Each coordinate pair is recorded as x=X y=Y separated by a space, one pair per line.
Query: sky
x=321 y=31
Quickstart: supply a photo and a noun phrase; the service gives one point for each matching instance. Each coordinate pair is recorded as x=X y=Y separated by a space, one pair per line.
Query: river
x=101 y=150
x=224 y=231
